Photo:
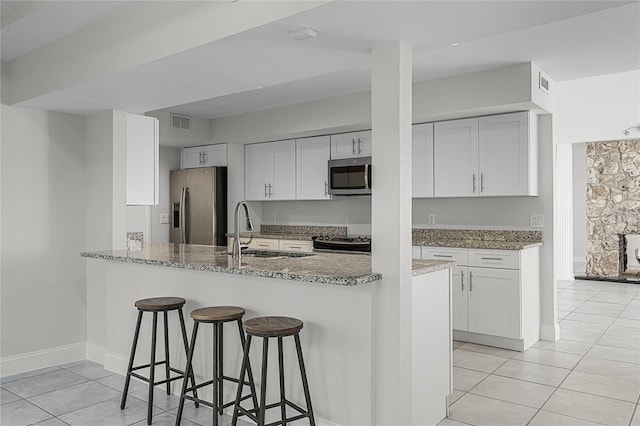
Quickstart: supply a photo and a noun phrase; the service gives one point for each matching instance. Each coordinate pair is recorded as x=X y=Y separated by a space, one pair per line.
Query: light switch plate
x=164 y=218
x=536 y=220
x=432 y=219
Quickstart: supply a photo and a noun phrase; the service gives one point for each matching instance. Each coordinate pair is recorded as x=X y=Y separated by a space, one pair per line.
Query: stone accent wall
x=613 y=202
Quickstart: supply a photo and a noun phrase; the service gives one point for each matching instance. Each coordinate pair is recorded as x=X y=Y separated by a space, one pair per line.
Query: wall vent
x=543 y=82
x=179 y=121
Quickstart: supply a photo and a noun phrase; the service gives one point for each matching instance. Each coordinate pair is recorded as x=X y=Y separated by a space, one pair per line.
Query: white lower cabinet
x=275 y=244
x=495 y=294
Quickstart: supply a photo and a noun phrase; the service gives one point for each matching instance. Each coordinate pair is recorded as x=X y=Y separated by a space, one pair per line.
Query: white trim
x=95 y=353
x=116 y=363
x=550 y=333
x=16 y=364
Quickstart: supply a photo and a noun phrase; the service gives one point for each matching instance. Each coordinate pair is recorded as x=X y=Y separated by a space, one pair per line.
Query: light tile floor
x=589 y=377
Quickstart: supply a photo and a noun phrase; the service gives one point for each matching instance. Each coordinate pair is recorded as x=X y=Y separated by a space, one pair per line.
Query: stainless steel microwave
x=350 y=176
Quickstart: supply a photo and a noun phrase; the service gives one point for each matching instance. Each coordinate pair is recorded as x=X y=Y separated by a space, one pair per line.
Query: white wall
x=43 y=295
x=597 y=108
x=197 y=134
x=169 y=160
x=579 y=202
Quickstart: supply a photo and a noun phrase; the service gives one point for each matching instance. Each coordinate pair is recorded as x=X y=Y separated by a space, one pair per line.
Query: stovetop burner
x=349 y=243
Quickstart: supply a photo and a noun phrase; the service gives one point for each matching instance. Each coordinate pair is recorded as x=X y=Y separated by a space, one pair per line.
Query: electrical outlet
x=273 y=217
x=536 y=220
x=432 y=219
x=164 y=218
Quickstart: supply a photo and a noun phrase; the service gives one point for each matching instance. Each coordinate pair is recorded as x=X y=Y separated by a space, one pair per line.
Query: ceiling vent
x=180 y=121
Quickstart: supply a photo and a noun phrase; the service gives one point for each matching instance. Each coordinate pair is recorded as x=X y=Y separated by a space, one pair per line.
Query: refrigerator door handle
x=183 y=219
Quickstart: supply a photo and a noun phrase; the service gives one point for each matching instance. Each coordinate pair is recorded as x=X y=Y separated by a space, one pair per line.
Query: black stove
x=357 y=243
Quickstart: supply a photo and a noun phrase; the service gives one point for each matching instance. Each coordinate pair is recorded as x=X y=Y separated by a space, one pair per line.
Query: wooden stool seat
x=273 y=326
x=217 y=314
x=160 y=303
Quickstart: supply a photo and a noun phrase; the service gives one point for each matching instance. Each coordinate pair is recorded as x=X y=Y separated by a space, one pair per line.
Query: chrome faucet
x=236 y=228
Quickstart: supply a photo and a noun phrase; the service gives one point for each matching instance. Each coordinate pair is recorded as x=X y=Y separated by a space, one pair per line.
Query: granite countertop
x=325 y=268
x=479 y=244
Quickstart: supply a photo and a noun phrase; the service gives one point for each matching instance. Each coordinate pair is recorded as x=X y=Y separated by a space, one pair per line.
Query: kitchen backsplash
x=303 y=229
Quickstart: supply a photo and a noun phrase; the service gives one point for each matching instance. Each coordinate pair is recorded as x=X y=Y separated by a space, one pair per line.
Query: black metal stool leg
x=283 y=407
x=243 y=370
x=216 y=348
x=152 y=367
x=220 y=369
x=252 y=386
x=186 y=352
x=263 y=382
x=188 y=371
x=166 y=352
x=134 y=345
x=305 y=383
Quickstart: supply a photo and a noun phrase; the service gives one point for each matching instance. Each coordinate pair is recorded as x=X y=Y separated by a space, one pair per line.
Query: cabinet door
x=460 y=297
x=292 y=245
x=416 y=252
x=455 y=153
x=283 y=174
x=344 y=145
x=264 y=243
x=142 y=162
x=312 y=156
x=494 y=302
x=191 y=157
x=258 y=166
x=422 y=160
x=363 y=144
x=504 y=154
x=214 y=155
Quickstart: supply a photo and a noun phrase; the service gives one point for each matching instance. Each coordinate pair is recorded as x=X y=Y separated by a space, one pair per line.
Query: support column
x=563 y=200
x=391 y=111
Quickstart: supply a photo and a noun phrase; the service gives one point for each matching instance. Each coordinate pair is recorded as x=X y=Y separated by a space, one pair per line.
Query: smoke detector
x=303 y=33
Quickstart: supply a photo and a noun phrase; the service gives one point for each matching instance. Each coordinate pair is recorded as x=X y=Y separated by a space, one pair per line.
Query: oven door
x=350 y=176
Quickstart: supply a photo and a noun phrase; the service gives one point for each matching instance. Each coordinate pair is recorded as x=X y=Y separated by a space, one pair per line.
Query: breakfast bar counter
x=334 y=294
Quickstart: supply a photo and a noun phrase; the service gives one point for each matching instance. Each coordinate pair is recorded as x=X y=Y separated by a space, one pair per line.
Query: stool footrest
x=161 y=382
x=210 y=404
x=252 y=413
x=147 y=365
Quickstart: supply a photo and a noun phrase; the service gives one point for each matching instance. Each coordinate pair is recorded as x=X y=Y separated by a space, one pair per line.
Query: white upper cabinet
x=486 y=156
x=312 y=156
x=204 y=156
x=422 y=160
x=508 y=162
x=349 y=145
x=455 y=154
x=143 y=147
x=270 y=171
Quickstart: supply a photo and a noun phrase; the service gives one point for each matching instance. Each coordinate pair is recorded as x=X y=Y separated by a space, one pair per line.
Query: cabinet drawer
x=504 y=259
x=306 y=246
x=264 y=243
x=459 y=255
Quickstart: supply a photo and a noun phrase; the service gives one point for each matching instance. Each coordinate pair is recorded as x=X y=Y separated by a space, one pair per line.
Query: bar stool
x=279 y=327
x=216 y=315
x=155 y=305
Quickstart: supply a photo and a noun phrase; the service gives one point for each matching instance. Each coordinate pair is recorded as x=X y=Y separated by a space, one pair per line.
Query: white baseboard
x=95 y=353
x=550 y=333
x=17 y=364
x=116 y=363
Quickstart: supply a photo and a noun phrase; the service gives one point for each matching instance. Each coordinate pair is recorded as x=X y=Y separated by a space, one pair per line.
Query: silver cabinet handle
x=442 y=255
x=205 y=157
x=474 y=183
x=270 y=193
x=265 y=191
x=353 y=146
x=295 y=247
x=481 y=182
x=200 y=158
x=470 y=281
x=462 y=279
x=492 y=258
x=359 y=146
x=326 y=188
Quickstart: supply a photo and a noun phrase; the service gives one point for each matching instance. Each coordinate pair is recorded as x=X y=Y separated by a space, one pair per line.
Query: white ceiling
x=567 y=39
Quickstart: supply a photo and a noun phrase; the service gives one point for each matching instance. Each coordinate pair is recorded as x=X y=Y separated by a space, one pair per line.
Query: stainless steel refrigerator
x=199 y=205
